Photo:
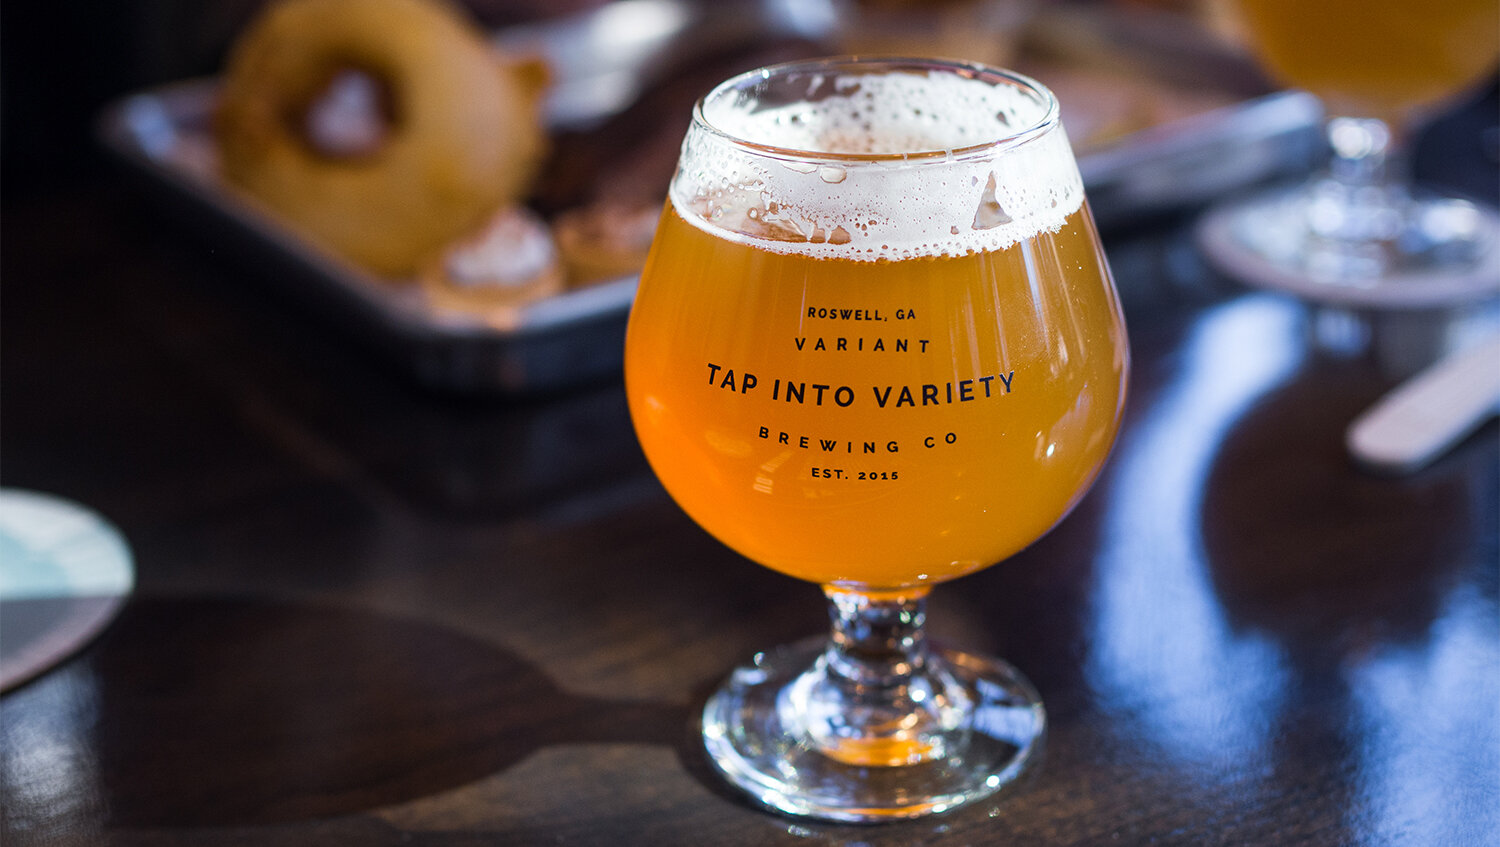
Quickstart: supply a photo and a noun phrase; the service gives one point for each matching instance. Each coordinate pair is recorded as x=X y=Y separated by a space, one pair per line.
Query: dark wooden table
x=368 y=614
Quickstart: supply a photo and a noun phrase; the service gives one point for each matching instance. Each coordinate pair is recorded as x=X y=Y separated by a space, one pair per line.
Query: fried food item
x=509 y=263
x=450 y=129
x=605 y=240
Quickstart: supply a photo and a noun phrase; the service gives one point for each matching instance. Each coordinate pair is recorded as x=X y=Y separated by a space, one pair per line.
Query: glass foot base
x=751 y=736
x=1423 y=252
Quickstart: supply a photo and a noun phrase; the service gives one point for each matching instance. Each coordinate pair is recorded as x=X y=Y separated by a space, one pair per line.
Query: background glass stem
x=1357 y=210
x=1361 y=150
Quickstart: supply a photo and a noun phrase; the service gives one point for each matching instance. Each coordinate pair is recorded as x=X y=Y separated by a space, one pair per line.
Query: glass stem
x=877 y=696
x=1357 y=210
x=1361 y=150
x=878 y=641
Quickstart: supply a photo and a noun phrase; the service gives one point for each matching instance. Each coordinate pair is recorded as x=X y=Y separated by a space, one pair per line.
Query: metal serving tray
x=163 y=135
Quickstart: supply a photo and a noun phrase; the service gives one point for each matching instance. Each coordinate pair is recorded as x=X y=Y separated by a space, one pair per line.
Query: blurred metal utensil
x=1431 y=412
x=604 y=58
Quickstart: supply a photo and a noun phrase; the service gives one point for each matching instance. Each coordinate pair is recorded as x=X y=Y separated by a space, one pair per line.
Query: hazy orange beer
x=877 y=423
x=876 y=346
x=1376 y=58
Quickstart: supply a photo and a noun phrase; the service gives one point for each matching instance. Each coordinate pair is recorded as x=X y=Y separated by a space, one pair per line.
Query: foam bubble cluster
x=991 y=175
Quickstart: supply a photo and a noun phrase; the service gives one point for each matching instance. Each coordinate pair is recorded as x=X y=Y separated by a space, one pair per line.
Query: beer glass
x=876 y=346
x=1378 y=66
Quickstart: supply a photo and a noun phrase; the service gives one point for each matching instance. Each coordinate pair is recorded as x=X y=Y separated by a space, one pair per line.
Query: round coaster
x=64 y=574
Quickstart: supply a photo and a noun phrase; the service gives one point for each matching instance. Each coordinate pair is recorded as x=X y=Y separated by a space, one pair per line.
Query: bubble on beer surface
x=990 y=213
x=903 y=205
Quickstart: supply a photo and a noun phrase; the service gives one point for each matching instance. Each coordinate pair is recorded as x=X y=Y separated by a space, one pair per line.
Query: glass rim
x=1049 y=120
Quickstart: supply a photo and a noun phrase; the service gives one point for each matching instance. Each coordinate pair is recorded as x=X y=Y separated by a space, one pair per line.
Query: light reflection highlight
x=1429 y=743
x=1162 y=646
x=51 y=775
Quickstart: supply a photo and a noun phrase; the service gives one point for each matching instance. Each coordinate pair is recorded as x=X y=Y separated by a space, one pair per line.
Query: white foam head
x=882 y=159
